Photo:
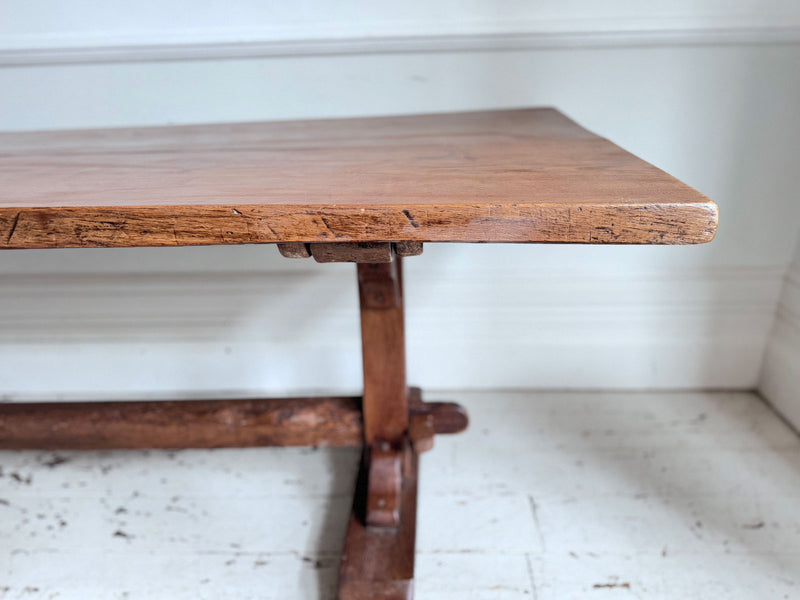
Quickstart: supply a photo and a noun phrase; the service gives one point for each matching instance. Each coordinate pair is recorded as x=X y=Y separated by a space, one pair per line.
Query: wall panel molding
x=178 y=334
x=88 y=51
x=709 y=95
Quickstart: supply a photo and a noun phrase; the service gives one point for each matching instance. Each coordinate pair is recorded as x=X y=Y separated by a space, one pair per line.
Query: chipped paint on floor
x=547 y=496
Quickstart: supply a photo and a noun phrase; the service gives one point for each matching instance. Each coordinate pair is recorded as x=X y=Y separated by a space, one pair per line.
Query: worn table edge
x=24 y=227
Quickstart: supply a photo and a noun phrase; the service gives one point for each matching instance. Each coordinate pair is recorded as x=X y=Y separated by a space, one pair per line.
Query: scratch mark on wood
x=410 y=218
x=13 y=228
x=271 y=230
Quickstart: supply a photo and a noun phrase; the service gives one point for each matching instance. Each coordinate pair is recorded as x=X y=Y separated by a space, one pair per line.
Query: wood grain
x=378 y=562
x=294 y=250
x=202 y=423
x=504 y=176
x=356 y=252
x=385 y=403
x=182 y=424
x=385 y=485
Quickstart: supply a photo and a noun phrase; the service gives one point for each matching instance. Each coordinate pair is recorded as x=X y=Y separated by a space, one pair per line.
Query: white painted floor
x=548 y=496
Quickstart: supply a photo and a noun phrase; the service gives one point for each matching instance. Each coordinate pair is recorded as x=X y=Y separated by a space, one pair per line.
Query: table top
x=529 y=175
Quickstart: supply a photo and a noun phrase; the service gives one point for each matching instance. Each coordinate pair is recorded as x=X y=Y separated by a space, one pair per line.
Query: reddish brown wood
x=383 y=348
x=378 y=557
x=421 y=432
x=384 y=485
x=183 y=424
x=430 y=418
x=197 y=423
x=528 y=175
x=445 y=417
x=378 y=562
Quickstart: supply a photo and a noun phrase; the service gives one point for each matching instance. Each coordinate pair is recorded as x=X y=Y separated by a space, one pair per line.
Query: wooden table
x=368 y=191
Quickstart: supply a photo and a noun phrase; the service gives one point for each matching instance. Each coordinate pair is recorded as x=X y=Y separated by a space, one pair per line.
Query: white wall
x=708 y=91
x=780 y=377
x=54 y=24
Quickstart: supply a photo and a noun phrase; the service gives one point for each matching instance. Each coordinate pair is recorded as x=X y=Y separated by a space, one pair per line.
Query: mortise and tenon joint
x=378 y=556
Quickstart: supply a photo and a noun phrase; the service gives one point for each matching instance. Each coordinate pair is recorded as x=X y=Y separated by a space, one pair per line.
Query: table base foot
x=378 y=562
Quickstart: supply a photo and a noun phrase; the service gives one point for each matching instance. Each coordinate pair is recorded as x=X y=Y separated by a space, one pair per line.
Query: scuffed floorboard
x=552 y=496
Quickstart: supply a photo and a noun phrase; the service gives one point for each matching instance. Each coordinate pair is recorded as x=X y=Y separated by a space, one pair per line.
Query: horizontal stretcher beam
x=200 y=423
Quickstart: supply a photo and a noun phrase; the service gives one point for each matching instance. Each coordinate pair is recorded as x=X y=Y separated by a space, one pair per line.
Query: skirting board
x=201 y=334
x=780 y=377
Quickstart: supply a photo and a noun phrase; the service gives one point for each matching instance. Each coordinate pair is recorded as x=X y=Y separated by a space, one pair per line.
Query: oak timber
x=378 y=563
x=182 y=424
x=208 y=423
x=385 y=404
x=528 y=175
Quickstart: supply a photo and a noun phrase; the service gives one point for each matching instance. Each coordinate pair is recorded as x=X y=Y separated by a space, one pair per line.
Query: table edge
x=229 y=224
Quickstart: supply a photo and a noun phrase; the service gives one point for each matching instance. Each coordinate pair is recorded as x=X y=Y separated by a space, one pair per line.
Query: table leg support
x=378 y=557
x=378 y=562
x=332 y=422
